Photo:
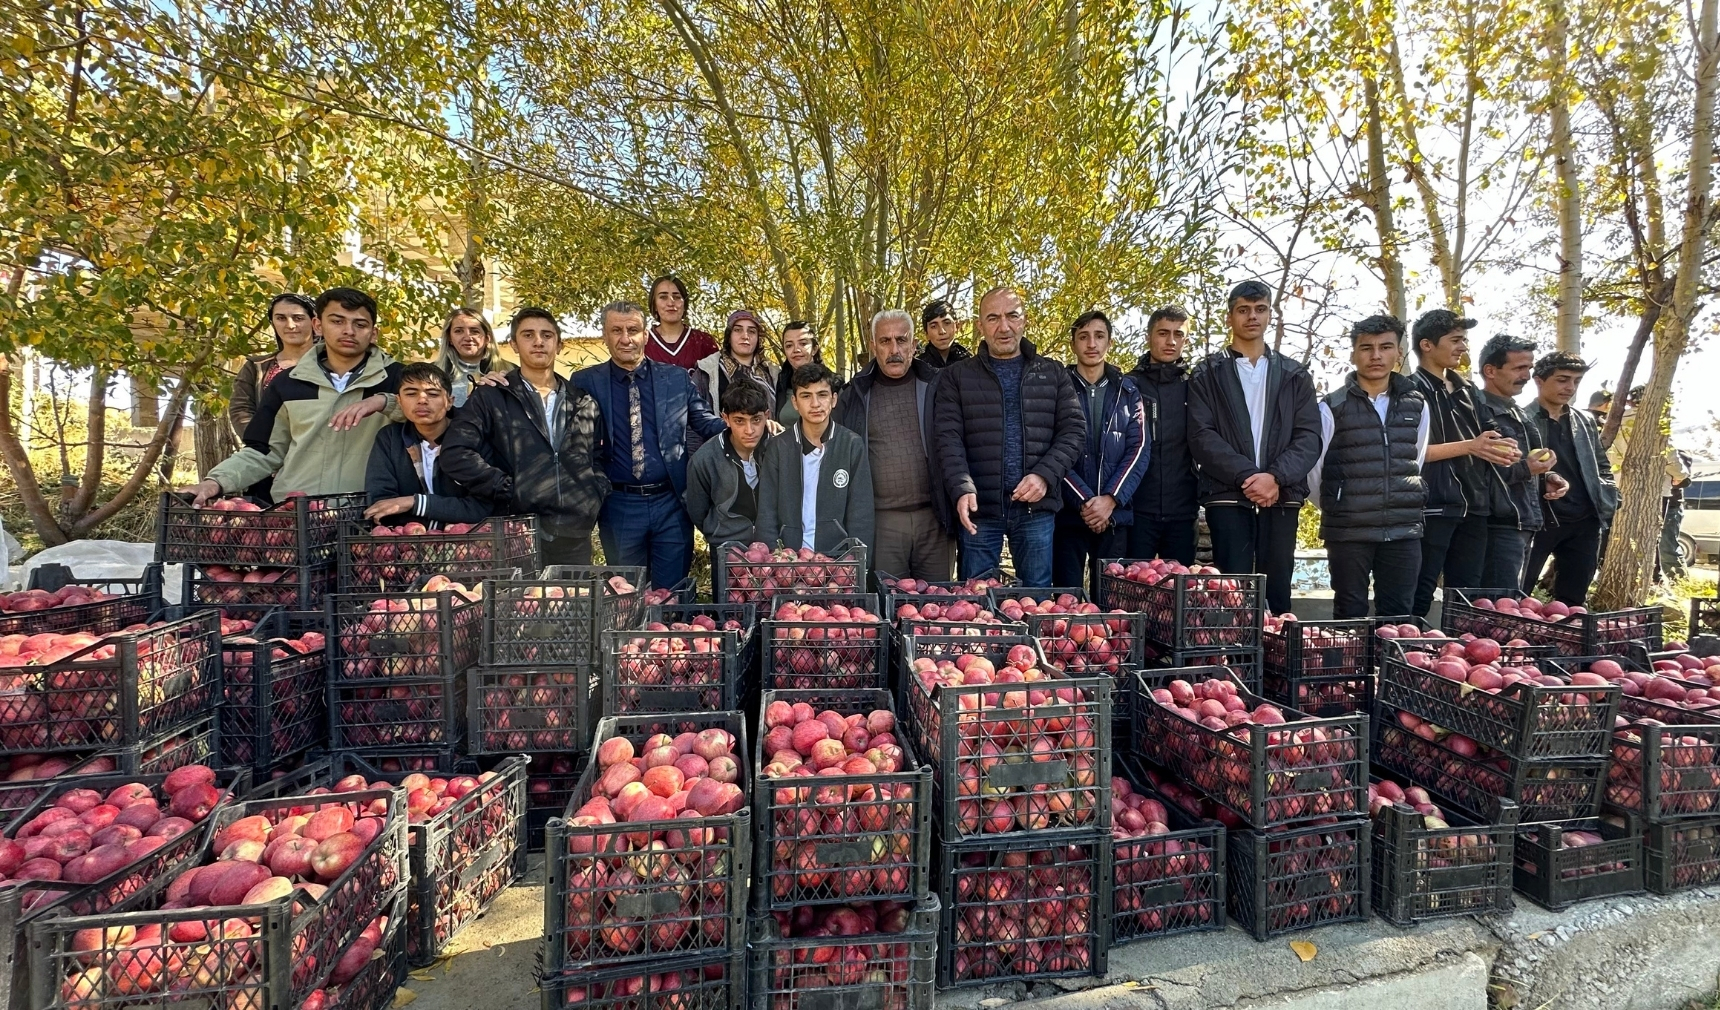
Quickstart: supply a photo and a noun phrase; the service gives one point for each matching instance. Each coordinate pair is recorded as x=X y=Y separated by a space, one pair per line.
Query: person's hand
x=390 y=507
x=1261 y=489
x=1494 y=448
x=203 y=492
x=1031 y=489
x=348 y=418
x=774 y=427
x=1542 y=460
x=966 y=506
x=1096 y=512
x=490 y=379
x=1556 y=487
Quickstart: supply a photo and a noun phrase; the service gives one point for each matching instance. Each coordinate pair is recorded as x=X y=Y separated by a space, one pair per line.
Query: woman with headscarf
x=742 y=356
x=468 y=351
x=290 y=317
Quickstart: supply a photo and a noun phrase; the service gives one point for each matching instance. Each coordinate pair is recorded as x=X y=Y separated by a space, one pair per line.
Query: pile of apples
x=31 y=600
x=854 y=956
x=756 y=573
x=1016 y=608
x=1684 y=681
x=399 y=636
x=1217 y=610
x=679 y=654
x=976 y=586
x=1608 y=628
x=1027 y=750
x=812 y=650
x=1090 y=642
x=18 y=771
x=400 y=555
x=657 y=597
x=1024 y=913
x=1528 y=607
x=956 y=617
x=1143 y=868
x=1477 y=664
x=642 y=835
x=1390 y=631
x=1571 y=838
x=807 y=820
x=1689 y=745
x=1204 y=732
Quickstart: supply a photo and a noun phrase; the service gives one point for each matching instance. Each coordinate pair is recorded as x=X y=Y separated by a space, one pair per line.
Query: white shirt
x=810 y=465
x=1252 y=374
x=1327 y=424
x=341 y=381
x=427 y=463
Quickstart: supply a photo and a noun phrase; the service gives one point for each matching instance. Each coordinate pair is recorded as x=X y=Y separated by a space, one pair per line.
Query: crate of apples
x=381 y=557
x=276 y=690
x=1559 y=863
x=690 y=659
x=1187 y=607
x=1318 y=667
x=834 y=641
x=1570 y=630
x=753 y=573
x=435 y=632
x=1429 y=863
x=881 y=954
x=1168 y=868
x=1021 y=909
x=299 y=531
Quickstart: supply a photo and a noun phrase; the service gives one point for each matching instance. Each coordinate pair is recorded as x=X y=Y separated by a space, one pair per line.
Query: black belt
x=661 y=487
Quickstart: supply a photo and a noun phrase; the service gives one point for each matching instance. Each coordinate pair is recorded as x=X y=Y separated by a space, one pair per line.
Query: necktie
x=636 y=422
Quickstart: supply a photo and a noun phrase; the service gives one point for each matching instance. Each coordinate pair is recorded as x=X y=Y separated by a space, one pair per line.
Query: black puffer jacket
x=970 y=429
x=1221 y=439
x=1370 y=484
x=1168 y=489
x=499 y=448
x=1515 y=493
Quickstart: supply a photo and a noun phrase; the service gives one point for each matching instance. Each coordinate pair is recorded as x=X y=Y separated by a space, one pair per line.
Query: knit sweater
x=900 y=481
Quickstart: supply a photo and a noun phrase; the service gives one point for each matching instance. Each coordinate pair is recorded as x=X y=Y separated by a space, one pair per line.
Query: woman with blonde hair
x=468 y=351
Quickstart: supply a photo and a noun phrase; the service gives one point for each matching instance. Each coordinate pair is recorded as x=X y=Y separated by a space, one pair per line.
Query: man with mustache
x=889 y=401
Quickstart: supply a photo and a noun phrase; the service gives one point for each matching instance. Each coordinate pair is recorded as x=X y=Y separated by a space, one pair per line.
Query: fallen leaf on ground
x=1304 y=949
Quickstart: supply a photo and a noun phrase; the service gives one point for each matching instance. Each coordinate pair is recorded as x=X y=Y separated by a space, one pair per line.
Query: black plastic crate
x=299 y=531
x=1293 y=878
x=600 y=910
x=275 y=697
x=1049 y=763
x=374 y=985
x=1556 y=878
x=511 y=709
x=1167 y=883
x=619 y=608
x=1091 y=643
x=551 y=621
x=1190 y=611
x=1431 y=873
x=197 y=742
x=121 y=689
x=1245 y=664
x=888 y=970
x=656 y=669
x=371 y=563
x=397 y=712
x=1053 y=891
x=1547 y=790
x=393 y=635
x=125 y=602
x=44 y=772
x=714 y=982
x=1576 y=635
x=1266 y=775
x=296 y=589
x=735 y=579
x=856 y=837
x=822 y=654
x=292 y=954
x=1522 y=720
x=1681 y=854
x=1666 y=772
x=550 y=782
x=1319 y=667
x=1704 y=616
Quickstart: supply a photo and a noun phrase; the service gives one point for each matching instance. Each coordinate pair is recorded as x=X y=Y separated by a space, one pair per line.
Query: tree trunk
x=17 y=458
x=213 y=438
x=1651 y=309
x=1568 y=195
x=1380 y=202
x=1629 y=565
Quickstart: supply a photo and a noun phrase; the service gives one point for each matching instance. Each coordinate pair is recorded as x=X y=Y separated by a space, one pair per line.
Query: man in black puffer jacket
x=1009 y=427
x=1165 y=504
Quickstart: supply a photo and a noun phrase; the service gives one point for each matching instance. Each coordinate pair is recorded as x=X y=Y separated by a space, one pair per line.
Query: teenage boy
x=1373 y=433
x=1575 y=522
x=818 y=485
x=938 y=323
x=723 y=479
x=1167 y=503
x=405 y=477
x=1459 y=452
x=1515 y=510
x=1098 y=491
x=296 y=435
x=1254 y=431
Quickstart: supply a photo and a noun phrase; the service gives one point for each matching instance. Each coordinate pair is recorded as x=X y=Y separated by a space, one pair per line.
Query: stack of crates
x=247 y=559
x=1022 y=850
x=274 y=704
x=1319 y=667
x=1193 y=620
x=683 y=657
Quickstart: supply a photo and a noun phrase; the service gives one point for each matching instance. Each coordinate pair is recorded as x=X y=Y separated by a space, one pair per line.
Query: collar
x=728 y=444
x=623 y=376
x=1111 y=372
x=356 y=370
x=1161 y=371
x=657 y=335
x=418 y=436
x=1396 y=385
x=807 y=448
x=1265 y=355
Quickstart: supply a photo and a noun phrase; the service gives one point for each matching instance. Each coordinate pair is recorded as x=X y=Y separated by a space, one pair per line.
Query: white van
x=1699 y=533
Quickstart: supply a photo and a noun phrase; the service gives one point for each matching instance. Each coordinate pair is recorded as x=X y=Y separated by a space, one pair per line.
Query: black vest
x=1370 y=487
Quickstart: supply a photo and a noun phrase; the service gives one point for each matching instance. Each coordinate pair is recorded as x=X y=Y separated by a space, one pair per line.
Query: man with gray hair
x=645 y=410
x=888 y=400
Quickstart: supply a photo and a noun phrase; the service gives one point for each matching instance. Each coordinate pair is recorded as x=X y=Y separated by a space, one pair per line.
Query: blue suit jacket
x=678 y=406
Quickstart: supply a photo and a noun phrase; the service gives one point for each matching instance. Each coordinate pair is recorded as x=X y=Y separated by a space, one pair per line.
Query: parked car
x=1699 y=533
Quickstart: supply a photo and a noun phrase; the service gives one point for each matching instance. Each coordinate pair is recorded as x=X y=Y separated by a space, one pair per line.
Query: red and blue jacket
x=1117 y=450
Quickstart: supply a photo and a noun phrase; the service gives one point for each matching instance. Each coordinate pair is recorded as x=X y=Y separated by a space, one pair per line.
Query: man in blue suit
x=642 y=448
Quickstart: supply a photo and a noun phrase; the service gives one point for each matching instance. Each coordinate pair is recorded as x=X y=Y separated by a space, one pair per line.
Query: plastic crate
x=1266 y=775
x=1424 y=873
x=1057 y=772
x=290 y=589
x=991 y=886
x=390 y=636
x=1704 y=615
x=1319 y=667
x=860 y=838
x=1666 y=773
x=370 y=563
x=1294 y=878
x=715 y=982
x=1091 y=643
x=1167 y=883
x=131 y=601
x=1246 y=664
x=289 y=954
x=550 y=621
x=800 y=654
x=680 y=671
x=374 y=985
x=736 y=580
x=886 y=971
x=1547 y=790
x=550 y=782
x=1557 y=878
x=397 y=712
x=275 y=706
x=125 y=688
x=598 y=913
x=1577 y=635
x=197 y=742
x=511 y=709
x=1523 y=720
x=616 y=610
x=299 y=531
x=17 y=794
x=976 y=586
x=1681 y=854
x=1191 y=611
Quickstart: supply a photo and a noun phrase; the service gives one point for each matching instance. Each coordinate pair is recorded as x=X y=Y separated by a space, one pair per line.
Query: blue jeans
x=648 y=530
x=1029 y=536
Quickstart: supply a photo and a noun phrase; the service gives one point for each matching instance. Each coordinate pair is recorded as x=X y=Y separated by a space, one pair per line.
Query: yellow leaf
x=1303 y=949
x=403 y=996
x=423 y=976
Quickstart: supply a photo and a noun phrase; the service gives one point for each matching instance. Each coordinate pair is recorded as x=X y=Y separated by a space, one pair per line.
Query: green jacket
x=289 y=437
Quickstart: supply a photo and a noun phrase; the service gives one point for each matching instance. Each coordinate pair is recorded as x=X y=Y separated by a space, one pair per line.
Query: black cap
x=935 y=309
x=1437 y=323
